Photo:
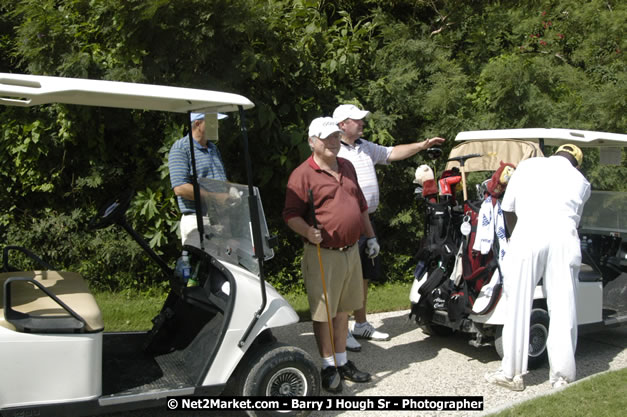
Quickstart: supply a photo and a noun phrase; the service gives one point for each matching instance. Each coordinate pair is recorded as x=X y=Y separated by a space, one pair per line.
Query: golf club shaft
x=324 y=285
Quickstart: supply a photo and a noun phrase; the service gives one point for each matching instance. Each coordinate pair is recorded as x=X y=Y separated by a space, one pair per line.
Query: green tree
x=423 y=67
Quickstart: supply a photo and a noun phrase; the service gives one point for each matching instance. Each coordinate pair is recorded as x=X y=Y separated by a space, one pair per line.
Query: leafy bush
x=108 y=258
x=423 y=68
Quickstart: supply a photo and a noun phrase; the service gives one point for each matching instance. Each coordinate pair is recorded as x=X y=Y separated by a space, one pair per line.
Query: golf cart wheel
x=278 y=370
x=436 y=330
x=538 y=335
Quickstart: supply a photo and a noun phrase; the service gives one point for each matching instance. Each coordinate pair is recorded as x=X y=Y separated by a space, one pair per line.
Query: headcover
x=497 y=184
x=423 y=173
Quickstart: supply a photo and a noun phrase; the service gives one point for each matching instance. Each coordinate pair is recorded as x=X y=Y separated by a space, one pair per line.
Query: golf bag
x=436 y=258
x=452 y=273
x=477 y=270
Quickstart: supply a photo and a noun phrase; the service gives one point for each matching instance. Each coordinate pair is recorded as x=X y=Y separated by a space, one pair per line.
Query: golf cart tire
x=538 y=335
x=277 y=370
x=436 y=330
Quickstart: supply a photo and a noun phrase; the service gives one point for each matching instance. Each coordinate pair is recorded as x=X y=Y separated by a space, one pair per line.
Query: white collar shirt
x=546 y=192
x=364 y=155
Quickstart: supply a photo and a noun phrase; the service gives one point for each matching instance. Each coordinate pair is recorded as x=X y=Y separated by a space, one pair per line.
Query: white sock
x=361 y=324
x=341 y=358
x=326 y=362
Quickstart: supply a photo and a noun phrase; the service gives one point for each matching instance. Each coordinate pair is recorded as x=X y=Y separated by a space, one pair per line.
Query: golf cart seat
x=48 y=302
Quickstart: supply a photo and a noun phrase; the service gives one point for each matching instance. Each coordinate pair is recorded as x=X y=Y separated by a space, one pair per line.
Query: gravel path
x=415 y=364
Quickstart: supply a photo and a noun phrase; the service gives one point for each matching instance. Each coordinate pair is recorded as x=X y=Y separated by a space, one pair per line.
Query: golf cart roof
x=31 y=90
x=515 y=145
x=551 y=137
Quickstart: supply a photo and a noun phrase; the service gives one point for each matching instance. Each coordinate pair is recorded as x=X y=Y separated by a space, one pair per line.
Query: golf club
x=336 y=380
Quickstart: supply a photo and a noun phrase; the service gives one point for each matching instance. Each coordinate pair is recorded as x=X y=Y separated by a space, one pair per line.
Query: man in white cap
x=208 y=165
x=323 y=192
x=544 y=244
x=365 y=155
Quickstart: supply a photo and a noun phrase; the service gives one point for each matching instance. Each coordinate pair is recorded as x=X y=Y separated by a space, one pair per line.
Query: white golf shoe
x=498 y=378
x=367 y=331
x=561 y=382
x=352 y=344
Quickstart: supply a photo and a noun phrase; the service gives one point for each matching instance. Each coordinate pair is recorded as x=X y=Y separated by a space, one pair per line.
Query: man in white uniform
x=365 y=155
x=544 y=201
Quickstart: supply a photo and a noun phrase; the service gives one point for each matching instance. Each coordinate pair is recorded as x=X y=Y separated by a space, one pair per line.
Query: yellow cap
x=573 y=150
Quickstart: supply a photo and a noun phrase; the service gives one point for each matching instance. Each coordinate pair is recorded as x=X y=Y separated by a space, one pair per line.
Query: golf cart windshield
x=228 y=226
x=605 y=212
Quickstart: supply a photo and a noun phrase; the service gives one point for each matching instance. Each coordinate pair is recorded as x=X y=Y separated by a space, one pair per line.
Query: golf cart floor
x=127 y=369
x=615 y=294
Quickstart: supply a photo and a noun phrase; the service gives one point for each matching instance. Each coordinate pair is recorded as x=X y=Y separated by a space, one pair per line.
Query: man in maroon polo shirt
x=342 y=216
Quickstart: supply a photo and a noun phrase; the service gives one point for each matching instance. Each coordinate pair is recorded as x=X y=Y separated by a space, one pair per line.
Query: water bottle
x=183 y=267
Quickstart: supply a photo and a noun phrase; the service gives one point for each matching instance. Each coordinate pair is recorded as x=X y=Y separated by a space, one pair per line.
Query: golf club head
x=434 y=152
x=337 y=380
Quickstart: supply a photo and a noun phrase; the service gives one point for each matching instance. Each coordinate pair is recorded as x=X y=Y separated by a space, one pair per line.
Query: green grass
x=606 y=392
x=602 y=395
x=127 y=312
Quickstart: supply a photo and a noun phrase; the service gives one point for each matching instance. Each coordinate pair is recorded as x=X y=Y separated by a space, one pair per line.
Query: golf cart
x=208 y=339
x=467 y=296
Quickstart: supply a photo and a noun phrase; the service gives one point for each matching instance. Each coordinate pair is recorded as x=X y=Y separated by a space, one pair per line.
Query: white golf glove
x=235 y=196
x=373 y=247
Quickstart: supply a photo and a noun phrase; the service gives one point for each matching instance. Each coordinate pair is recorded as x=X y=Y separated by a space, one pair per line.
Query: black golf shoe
x=351 y=373
x=331 y=380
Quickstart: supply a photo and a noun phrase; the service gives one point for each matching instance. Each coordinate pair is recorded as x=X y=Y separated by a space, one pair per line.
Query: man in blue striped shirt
x=208 y=165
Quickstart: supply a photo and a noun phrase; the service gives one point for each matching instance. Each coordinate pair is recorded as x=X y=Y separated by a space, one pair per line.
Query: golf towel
x=491 y=223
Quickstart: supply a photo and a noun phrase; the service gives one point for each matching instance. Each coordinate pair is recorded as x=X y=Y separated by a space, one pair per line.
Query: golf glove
x=373 y=247
x=235 y=196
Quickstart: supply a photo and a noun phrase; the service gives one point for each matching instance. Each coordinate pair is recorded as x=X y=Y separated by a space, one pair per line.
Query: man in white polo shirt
x=365 y=155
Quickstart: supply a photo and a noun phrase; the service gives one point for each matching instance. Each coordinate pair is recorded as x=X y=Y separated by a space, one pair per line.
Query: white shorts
x=189 y=229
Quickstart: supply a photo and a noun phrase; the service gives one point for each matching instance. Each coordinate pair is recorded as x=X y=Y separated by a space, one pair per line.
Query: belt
x=341 y=249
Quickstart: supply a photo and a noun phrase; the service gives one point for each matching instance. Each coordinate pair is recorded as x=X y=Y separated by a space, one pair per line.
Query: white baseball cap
x=349 y=111
x=322 y=127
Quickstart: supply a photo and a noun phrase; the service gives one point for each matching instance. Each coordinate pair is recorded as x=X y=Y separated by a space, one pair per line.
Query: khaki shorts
x=343 y=279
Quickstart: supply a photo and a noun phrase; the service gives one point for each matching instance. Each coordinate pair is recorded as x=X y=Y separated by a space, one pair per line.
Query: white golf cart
x=603 y=278
x=57 y=359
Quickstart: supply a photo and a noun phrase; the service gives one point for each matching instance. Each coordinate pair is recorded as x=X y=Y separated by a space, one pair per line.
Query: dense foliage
x=422 y=67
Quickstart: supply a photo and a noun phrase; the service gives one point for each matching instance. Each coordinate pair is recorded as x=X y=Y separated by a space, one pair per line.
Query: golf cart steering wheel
x=112 y=210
